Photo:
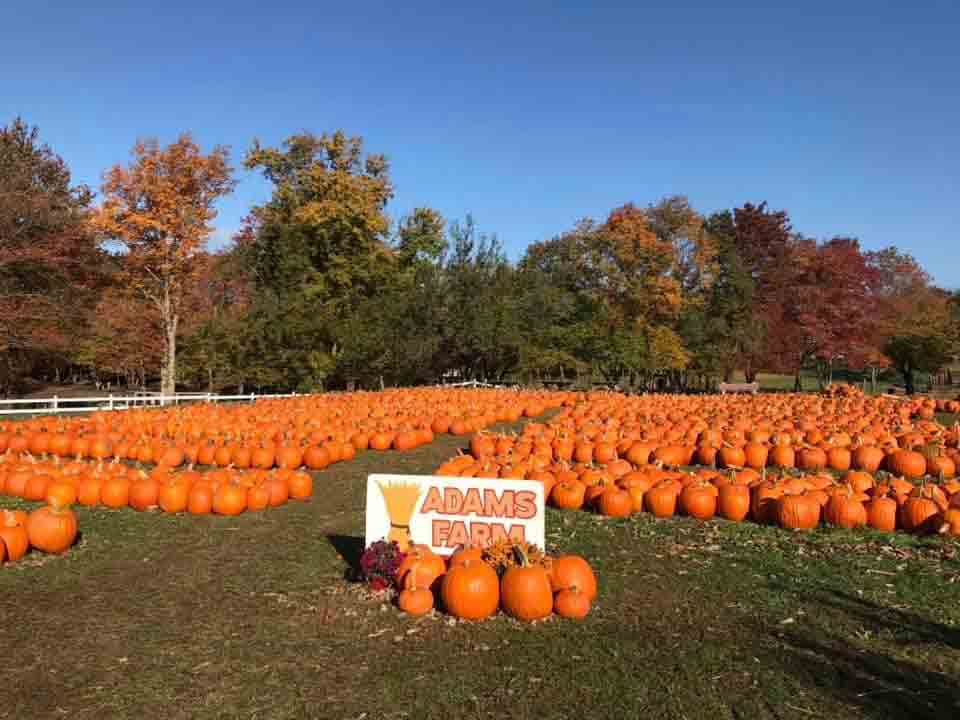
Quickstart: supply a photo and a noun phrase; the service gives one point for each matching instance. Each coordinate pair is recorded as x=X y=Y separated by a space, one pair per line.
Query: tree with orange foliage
x=161 y=209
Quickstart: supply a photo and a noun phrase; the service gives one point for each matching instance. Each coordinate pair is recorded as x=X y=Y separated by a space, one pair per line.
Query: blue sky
x=531 y=115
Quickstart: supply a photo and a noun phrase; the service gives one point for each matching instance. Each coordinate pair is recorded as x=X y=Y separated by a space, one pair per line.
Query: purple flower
x=379 y=564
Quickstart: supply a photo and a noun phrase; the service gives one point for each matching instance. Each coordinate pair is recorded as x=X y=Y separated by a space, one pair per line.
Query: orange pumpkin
x=471 y=591
x=52 y=528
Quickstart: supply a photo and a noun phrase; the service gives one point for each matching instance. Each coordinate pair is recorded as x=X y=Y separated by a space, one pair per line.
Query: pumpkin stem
x=521 y=555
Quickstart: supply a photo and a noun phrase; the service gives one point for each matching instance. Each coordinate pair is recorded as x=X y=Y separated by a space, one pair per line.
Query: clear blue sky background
x=531 y=115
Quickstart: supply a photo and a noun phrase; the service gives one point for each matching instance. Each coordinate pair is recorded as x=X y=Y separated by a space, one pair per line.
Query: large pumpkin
x=907 y=463
x=14 y=535
x=882 y=514
x=526 y=594
x=845 y=512
x=798 y=512
x=699 y=501
x=471 y=591
x=52 y=528
x=733 y=502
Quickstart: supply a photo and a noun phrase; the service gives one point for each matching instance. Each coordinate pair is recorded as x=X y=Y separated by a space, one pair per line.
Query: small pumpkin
x=568 y=571
x=571 y=603
x=426 y=565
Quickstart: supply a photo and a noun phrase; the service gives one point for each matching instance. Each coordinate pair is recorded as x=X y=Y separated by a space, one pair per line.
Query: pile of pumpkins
x=309 y=431
x=50 y=529
x=791 y=460
x=471 y=586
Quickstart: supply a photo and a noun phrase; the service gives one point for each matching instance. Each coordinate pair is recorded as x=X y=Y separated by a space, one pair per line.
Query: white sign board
x=448 y=512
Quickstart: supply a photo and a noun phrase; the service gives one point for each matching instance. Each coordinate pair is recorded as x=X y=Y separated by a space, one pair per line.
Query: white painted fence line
x=56 y=405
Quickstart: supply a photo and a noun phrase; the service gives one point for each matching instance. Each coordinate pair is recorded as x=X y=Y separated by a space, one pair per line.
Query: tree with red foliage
x=765 y=251
x=827 y=315
x=49 y=261
x=125 y=337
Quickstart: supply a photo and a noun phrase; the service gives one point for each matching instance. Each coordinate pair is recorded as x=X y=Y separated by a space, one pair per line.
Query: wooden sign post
x=445 y=513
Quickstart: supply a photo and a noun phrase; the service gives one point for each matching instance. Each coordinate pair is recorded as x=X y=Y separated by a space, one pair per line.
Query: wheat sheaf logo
x=400 y=497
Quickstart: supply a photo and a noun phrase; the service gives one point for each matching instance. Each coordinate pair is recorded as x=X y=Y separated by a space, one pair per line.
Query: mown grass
x=181 y=617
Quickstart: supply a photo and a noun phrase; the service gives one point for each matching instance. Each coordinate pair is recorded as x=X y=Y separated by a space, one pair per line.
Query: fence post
x=252 y=396
x=111 y=401
x=56 y=405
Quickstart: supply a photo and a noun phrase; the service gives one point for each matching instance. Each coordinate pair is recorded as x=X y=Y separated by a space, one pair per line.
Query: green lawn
x=154 y=615
x=772 y=382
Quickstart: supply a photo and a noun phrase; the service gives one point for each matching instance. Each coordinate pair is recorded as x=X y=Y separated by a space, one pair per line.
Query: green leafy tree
x=315 y=252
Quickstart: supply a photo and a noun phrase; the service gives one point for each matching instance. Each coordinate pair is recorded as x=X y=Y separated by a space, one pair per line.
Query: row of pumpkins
x=116 y=485
x=310 y=431
x=849 y=462
x=257 y=450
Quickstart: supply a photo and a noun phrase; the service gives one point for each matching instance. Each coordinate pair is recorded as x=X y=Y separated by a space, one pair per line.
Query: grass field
x=155 y=615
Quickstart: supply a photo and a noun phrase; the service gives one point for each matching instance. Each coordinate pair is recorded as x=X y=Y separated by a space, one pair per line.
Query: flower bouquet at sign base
x=379 y=564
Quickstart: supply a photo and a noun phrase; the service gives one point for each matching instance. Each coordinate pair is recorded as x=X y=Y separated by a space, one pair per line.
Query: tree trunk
x=169 y=377
x=908 y=383
x=170 y=318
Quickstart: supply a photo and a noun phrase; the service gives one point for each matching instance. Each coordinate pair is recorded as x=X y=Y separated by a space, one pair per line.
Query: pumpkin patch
x=797 y=461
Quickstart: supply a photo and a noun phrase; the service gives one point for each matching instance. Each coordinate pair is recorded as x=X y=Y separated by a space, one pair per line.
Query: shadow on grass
x=349 y=548
x=890 y=663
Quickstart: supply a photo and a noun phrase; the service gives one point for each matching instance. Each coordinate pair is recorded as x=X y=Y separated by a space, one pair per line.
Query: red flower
x=378 y=583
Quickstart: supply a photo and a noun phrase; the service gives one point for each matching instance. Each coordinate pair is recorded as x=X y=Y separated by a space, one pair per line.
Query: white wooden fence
x=57 y=405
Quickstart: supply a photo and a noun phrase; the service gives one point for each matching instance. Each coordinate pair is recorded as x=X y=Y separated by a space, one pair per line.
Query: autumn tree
x=314 y=252
x=161 y=209
x=324 y=231
x=828 y=315
x=214 y=317
x=694 y=247
x=914 y=321
x=724 y=333
x=620 y=287
x=124 y=339
x=50 y=266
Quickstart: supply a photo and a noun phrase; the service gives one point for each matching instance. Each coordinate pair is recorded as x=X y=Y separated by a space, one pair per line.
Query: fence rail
x=58 y=405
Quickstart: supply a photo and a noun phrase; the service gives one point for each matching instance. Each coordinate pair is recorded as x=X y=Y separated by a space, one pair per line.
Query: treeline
x=320 y=289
